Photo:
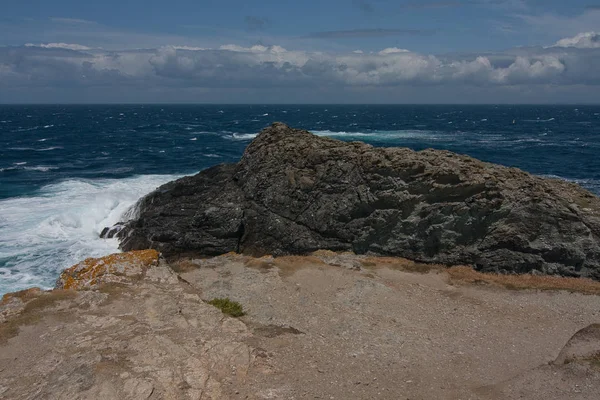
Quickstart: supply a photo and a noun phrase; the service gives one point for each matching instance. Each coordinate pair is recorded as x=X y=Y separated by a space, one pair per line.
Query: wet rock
x=111 y=232
x=294 y=193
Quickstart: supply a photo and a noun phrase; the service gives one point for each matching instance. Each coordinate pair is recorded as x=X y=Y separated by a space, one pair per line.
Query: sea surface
x=66 y=172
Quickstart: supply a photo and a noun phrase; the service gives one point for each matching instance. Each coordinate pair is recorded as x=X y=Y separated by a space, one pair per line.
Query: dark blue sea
x=68 y=171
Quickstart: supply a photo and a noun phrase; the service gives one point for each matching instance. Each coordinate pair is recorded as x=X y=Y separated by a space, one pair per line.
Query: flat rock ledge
x=327 y=325
x=294 y=193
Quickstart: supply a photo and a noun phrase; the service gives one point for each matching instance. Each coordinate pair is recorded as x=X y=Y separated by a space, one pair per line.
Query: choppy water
x=68 y=171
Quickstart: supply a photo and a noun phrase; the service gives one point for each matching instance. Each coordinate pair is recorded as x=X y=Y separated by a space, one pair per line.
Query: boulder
x=119 y=268
x=294 y=193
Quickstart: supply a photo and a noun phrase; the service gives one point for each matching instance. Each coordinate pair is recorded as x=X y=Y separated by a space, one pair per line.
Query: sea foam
x=60 y=226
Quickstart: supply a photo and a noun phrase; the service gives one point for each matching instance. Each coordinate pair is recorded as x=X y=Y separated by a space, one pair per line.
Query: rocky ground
x=317 y=327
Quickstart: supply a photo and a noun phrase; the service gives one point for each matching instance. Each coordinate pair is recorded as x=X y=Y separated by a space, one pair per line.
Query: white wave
x=20 y=129
x=60 y=226
x=40 y=168
x=20 y=166
x=193 y=139
x=384 y=135
x=244 y=136
x=50 y=148
x=48 y=126
x=539 y=120
x=34 y=149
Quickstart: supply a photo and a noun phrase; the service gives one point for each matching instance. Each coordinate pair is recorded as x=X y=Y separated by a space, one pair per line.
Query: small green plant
x=228 y=307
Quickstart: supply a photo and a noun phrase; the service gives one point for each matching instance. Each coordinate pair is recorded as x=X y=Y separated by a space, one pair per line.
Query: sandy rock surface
x=317 y=327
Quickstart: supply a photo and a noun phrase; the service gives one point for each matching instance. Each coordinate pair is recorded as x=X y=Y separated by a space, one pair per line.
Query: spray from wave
x=60 y=226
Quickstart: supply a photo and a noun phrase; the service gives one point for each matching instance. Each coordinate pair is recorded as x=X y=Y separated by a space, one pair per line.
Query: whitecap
x=48 y=126
x=265 y=115
x=539 y=120
x=384 y=135
x=50 y=148
x=40 y=168
x=21 y=129
x=193 y=139
x=244 y=136
x=22 y=167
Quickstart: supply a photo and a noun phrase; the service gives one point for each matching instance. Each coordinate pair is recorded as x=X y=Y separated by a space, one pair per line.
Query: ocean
x=67 y=171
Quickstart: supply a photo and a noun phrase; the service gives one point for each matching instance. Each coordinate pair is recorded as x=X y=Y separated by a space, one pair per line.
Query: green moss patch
x=229 y=307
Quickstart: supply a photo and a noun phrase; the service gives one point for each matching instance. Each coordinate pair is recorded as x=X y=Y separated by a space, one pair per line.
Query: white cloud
x=234 y=66
x=190 y=48
x=391 y=50
x=253 y=49
x=587 y=40
x=67 y=46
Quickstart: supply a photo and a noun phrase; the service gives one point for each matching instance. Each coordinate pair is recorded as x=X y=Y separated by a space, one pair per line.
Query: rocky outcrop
x=116 y=268
x=293 y=193
x=584 y=346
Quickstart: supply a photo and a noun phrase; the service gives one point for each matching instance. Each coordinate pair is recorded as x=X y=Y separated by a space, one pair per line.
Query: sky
x=327 y=51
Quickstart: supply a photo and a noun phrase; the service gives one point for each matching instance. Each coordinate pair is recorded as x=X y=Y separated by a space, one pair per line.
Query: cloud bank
x=587 y=40
x=571 y=61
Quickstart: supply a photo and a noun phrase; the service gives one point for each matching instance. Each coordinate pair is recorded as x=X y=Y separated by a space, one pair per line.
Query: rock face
x=293 y=193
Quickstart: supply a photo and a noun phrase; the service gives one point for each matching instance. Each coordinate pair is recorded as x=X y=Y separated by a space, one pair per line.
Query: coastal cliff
x=293 y=193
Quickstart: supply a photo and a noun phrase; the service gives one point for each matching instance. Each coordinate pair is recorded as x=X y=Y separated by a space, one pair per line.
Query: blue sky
x=311 y=51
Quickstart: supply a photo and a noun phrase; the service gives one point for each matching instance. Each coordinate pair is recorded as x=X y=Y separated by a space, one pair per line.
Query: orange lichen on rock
x=115 y=268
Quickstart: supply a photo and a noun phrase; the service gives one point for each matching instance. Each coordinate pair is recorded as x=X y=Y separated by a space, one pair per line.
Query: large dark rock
x=293 y=193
